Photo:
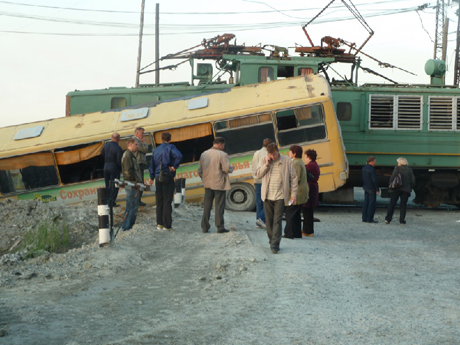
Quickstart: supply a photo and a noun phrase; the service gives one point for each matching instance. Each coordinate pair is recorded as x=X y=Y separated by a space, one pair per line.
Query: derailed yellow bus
x=59 y=160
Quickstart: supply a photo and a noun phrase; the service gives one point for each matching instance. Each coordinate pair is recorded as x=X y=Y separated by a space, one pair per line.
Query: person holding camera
x=166 y=158
x=131 y=173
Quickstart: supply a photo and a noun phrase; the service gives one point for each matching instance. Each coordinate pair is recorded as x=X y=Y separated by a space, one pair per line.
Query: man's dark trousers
x=164 y=194
x=273 y=216
x=110 y=175
x=370 y=198
x=209 y=196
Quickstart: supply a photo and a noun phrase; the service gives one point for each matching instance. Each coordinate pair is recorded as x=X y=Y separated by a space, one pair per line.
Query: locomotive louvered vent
x=382 y=108
x=395 y=112
x=441 y=113
x=409 y=112
x=458 y=115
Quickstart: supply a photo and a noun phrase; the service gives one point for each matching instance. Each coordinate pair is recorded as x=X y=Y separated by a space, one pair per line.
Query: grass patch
x=46 y=236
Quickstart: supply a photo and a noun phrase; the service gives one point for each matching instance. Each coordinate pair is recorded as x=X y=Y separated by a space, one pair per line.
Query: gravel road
x=353 y=283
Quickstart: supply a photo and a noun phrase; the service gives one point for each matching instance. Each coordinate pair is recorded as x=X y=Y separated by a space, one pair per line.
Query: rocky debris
x=20 y=216
x=10 y=259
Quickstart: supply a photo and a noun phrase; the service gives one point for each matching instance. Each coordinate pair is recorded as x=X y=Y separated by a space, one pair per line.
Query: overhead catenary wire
x=188 y=28
x=338 y=6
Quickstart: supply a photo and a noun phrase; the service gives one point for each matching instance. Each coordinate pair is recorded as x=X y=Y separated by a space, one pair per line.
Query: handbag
x=396 y=183
x=310 y=176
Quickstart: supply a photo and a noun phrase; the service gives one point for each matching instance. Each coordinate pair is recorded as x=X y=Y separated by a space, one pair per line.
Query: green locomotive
x=418 y=122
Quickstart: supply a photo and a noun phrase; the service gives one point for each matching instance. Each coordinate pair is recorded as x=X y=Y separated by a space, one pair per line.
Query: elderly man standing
x=112 y=153
x=278 y=178
x=142 y=149
x=214 y=169
x=131 y=173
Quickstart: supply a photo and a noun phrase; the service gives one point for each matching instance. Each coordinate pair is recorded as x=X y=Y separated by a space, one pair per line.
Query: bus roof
x=93 y=127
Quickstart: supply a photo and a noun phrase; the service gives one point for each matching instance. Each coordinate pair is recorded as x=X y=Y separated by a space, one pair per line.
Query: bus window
x=246 y=134
x=80 y=163
x=265 y=74
x=27 y=172
x=191 y=141
x=300 y=125
x=118 y=102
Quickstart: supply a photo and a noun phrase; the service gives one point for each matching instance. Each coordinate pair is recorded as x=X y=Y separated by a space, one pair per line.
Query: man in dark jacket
x=166 y=158
x=371 y=190
x=112 y=153
x=131 y=173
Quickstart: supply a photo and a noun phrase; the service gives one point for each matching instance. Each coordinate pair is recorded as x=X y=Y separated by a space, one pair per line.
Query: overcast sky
x=51 y=47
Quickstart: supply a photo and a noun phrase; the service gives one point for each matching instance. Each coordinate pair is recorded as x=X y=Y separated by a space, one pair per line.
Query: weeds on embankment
x=46 y=236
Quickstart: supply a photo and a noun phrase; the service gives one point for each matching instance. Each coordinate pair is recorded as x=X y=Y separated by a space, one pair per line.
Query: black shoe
x=402 y=223
x=291 y=238
x=373 y=222
x=116 y=205
x=223 y=231
x=141 y=203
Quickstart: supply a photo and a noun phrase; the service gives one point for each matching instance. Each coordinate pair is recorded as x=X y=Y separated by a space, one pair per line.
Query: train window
x=304 y=71
x=265 y=74
x=27 y=172
x=80 y=163
x=441 y=113
x=300 y=125
x=344 y=111
x=285 y=72
x=395 y=112
x=118 y=102
x=247 y=133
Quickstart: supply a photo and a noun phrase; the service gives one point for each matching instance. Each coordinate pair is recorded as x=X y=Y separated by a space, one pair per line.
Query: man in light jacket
x=260 y=214
x=142 y=149
x=213 y=170
x=279 y=187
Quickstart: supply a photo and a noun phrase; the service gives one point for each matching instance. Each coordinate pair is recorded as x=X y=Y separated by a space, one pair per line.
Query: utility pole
x=139 y=53
x=157 y=44
x=440 y=22
x=457 y=55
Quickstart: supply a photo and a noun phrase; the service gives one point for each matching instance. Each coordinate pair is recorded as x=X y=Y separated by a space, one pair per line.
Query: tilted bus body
x=59 y=160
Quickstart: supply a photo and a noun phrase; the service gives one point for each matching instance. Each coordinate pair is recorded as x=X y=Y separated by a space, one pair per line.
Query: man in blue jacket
x=371 y=190
x=166 y=158
x=112 y=153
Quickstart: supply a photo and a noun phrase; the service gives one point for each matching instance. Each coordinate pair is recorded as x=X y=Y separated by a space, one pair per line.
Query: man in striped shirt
x=279 y=188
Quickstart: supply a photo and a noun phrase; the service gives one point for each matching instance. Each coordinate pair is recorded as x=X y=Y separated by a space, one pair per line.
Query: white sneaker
x=261 y=223
x=160 y=227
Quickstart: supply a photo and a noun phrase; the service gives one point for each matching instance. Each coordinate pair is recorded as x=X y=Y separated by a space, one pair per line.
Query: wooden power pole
x=157 y=44
x=139 y=52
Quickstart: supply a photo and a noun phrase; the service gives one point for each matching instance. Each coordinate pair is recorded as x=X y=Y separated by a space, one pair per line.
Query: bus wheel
x=241 y=197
